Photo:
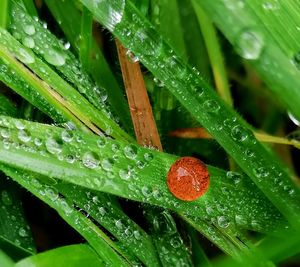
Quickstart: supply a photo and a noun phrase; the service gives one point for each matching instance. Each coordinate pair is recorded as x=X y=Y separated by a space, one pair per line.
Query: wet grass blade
x=265 y=45
x=7 y=108
x=56 y=90
x=99 y=68
x=104 y=247
x=4 y=17
x=138 y=173
x=227 y=127
x=105 y=210
x=77 y=255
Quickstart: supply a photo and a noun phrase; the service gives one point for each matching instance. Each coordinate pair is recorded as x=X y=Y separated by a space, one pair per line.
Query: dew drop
x=234 y=176
x=102 y=211
x=250 y=44
x=261 y=172
x=148 y=156
x=234 y=4
x=131 y=56
x=107 y=164
x=90 y=160
x=188 y=178
x=53 y=146
x=130 y=151
x=28 y=42
x=223 y=222
x=51 y=193
x=29 y=29
x=124 y=174
x=26 y=56
x=239 y=133
x=24 y=136
x=211 y=106
x=23 y=232
x=6 y=198
x=54 y=57
x=67 y=136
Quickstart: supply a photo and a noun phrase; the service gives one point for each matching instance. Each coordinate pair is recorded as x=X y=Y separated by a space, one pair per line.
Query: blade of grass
x=99 y=69
x=86 y=38
x=6 y=107
x=77 y=255
x=228 y=128
x=4 y=13
x=104 y=247
x=15 y=235
x=5 y=260
x=105 y=210
x=30 y=7
x=215 y=54
x=275 y=46
x=139 y=173
x=66 y=98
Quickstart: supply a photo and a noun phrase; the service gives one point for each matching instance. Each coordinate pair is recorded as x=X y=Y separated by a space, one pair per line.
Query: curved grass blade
x=228 y=128
x=77 y=255
x=131 y=172
x=105 y=211
x=66 y=97
x=104 y=247
x=99 y=69
x=15 y=235
x=275 y=47
x=6 y=107
x=5 y=260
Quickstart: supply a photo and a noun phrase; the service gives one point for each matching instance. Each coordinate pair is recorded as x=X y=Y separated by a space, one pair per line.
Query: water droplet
x=28 y=42
x=293 y=118
x=130 y=151
x=51 y=193
x=26 y=56
x=261 y=172
x=198 y=90
x=53 y=146
x=19 y=125
x=124 y=174
x=67 y=136
x=250 y=44
x=270 y=5
x=146 y=191
x=148 y=156
x=107 y=164
x=137 y=235
x=176 y=242
x=54 y=57
x=131 y=56
x=23 y=232
x=65 y=206
x=90 y=160
x=234 y=4
x=5 y=133
x=140 y=164
x=211 y=106
x=119 y=224
x=29 y=29
x=6 y=198
x=101 y=142
x=240 y=220
x=188 y=178
x=239 y=133
x=102 y=211
x=223 y=222
x=234 y=176
x=24 y=136
x=158 y=82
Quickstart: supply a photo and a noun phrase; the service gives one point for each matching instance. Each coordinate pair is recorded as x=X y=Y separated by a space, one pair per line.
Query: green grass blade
x=15 y=235
x=227 y=127
x=268 y=46
x=86 y=38
x=4 y=13
x=215 y=55
x=104 y=247
x=99 y=69
x=6 y=107
x=131 y=172
x=106 y=212
x=77 y=255
x=60 y=94
x=5 y=260
x=30 y=7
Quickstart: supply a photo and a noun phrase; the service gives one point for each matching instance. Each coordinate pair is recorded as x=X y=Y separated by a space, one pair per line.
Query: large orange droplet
x=188 y=178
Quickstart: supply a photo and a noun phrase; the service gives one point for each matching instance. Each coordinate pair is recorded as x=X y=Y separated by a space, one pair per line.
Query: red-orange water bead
x=188 y=178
